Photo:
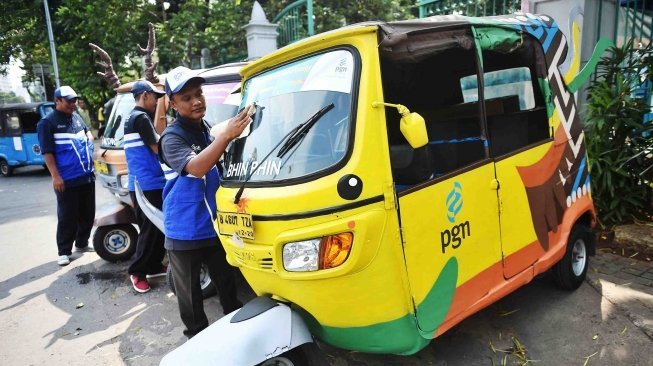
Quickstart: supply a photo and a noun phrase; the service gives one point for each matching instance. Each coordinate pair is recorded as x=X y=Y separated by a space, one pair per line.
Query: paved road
x=88 y=314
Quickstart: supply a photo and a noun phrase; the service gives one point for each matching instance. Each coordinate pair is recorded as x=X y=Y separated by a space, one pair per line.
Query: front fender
x=244 y=337
x=113 y=214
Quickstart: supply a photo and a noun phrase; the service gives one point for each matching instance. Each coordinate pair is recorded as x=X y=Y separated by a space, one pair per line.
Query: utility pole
x=53 y=51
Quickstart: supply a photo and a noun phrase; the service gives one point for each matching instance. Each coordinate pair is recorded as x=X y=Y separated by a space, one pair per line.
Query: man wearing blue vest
x=189 y=204
x=67 y=146
x=141 y=150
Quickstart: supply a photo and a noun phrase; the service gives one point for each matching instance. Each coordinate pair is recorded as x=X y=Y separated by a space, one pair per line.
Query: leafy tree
x=183 y=30
x=618 y=142
x=10 y=97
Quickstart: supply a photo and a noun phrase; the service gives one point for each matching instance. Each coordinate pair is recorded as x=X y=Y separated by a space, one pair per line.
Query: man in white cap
x=67 y=146
x=141 y=150
x=189 y=204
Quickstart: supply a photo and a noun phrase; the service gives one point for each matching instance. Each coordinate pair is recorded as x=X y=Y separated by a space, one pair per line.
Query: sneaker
x=63 y=260
x=162 y=272
x=87 y=248
x=139 y=285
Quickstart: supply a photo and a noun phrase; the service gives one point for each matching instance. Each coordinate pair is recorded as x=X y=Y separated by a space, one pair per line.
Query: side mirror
x=412 y=125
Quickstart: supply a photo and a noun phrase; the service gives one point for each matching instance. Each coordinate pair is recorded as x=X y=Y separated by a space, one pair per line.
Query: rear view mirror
x=412 y=125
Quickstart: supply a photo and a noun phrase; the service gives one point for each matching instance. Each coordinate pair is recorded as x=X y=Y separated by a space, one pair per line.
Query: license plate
x=101 y=167
x=236 y=223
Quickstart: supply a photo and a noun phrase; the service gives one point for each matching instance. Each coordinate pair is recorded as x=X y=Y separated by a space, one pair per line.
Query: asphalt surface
x=88 y=314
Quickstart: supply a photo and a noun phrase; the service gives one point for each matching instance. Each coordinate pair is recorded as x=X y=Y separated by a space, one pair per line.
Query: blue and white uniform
x=144 y=167
x=189 y=199
x=65 y=136
x=142 y=162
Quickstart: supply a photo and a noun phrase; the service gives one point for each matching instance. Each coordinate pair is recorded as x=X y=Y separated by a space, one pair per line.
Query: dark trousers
x=186 y=265
x=75 y=213
x=149 y=247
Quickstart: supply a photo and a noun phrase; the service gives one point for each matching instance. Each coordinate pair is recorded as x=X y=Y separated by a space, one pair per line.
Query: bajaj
x=397 y=178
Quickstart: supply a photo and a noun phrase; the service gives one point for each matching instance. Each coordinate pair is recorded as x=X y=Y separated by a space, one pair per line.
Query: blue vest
x=142 y=163
x=189 y=205
x=73 y=150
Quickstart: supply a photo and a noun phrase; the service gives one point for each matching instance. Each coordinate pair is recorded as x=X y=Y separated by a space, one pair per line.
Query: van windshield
x=221 y=102
x=114 y=132
x=287 y=97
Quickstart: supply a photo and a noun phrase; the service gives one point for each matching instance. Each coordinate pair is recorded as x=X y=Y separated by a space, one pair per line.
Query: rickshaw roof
x=512 y=21
x=396 y=31
x=24 y=106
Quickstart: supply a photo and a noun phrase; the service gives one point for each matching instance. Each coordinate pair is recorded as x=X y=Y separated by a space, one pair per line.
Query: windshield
x=221 y=104
x=114 y=133
x=287 y=97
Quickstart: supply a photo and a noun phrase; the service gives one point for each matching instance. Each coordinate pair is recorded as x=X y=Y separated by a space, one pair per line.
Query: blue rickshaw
x=19 y=143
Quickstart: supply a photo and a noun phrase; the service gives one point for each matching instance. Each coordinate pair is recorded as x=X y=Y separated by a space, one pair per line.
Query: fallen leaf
x=595 y=337
x=624 y=331
x=80 y=305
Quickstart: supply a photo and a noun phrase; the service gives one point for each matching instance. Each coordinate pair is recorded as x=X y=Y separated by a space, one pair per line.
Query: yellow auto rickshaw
x=397 y=178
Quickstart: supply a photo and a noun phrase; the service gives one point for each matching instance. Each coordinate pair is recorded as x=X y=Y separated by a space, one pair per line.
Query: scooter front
x=261 y=332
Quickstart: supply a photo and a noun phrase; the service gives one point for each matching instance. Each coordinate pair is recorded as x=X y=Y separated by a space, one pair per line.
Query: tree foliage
x=183 y=30
x=618 y=142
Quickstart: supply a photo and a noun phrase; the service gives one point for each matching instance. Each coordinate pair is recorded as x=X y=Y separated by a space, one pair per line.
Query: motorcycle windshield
x=286 y=97
x=115 y=130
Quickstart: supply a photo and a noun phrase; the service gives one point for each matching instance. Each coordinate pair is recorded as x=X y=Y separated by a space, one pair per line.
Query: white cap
x=178 y=77
x=65 y=92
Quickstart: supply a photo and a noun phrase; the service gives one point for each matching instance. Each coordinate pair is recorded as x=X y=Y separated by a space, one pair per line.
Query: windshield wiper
x=292 y=138
x=301 y=130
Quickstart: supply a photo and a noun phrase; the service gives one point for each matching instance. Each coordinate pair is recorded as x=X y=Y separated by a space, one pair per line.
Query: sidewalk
x=627 y=284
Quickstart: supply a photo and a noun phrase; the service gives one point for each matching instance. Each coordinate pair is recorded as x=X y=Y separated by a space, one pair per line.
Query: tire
x=115 y=243
x=208 y=288
x=5 y=169
x=305 y=355
x=570 y=272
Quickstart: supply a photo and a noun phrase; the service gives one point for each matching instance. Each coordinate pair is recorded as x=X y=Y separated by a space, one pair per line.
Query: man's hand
x=237 y=125
x=58 y=184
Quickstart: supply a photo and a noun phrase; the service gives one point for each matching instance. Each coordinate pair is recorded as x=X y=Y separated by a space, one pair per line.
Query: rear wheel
x=5 y=169
x=208 y=287
x=570 y=272
x=115 y=243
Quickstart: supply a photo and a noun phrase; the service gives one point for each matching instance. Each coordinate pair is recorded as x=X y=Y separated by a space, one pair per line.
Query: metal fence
x=295 y=22
x=473 y=8
x=632 y=20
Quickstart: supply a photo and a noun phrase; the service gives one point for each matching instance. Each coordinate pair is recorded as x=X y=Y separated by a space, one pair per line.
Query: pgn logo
x=454 y=235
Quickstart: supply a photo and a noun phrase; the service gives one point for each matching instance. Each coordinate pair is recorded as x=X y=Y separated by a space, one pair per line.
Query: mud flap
x=262 y=329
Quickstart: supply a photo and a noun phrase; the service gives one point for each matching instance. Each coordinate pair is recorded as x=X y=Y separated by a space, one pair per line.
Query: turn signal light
x=334 y=249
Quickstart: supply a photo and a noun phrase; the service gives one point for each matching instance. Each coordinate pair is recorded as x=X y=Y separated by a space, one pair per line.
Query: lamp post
x=53 y=51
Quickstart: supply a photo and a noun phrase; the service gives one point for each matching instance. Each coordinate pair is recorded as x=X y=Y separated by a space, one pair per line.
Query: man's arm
x=57 y=182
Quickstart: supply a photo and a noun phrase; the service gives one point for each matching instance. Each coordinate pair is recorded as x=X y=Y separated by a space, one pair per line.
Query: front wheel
x=208 y=287
x=570 y=272
x=5 y=169
x=115 y=243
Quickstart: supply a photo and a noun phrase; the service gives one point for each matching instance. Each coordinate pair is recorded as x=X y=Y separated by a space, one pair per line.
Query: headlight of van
x=124 y=181
x=314 y=254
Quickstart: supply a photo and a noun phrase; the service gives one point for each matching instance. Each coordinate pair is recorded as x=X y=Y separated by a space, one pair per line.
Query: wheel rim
x=579 y=257
x=4 y=168
x=278 y=361
x=205 y=280
x=117 y=241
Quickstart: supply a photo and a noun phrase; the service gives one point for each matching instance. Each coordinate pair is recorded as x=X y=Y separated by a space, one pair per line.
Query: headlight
x=124 y=181
x=311 y=255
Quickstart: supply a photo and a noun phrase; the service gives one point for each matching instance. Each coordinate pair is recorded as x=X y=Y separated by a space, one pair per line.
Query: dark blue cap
x=143 y=86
